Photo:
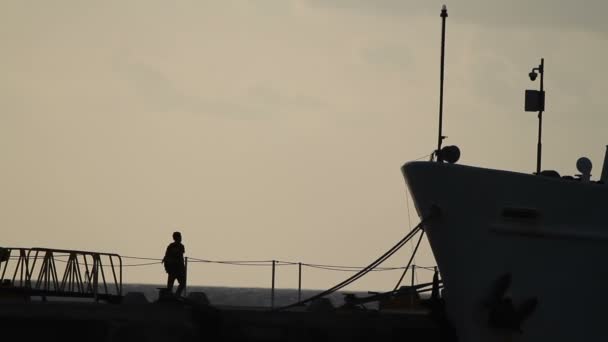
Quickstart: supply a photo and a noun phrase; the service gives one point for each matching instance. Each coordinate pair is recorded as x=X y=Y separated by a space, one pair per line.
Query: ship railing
x=50 y=272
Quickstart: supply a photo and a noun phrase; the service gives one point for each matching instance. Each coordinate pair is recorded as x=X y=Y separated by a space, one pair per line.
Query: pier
x=71 y=294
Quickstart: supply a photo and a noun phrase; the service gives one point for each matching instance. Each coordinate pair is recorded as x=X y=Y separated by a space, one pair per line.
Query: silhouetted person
x=174 y=264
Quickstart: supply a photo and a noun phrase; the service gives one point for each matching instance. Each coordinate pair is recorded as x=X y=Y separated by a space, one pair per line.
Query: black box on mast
x=535 y=100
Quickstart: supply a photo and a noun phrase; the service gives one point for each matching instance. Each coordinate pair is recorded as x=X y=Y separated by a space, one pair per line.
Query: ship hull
x=547 y=235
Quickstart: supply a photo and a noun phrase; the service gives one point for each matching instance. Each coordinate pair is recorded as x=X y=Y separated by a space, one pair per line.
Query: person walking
x=174 y=264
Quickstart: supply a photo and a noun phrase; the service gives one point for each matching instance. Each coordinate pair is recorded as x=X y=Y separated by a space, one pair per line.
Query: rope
x=350 y=270
x=264 y=263
x=143 y=264
x=407 y=200
x=355 y=269
x=423 y=157
x=140 y=258
x=109 y=265
x=243 y=263
x=367 y=269
x=409 y=262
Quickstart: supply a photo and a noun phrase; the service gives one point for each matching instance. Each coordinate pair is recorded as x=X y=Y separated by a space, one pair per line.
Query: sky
x=274 y=129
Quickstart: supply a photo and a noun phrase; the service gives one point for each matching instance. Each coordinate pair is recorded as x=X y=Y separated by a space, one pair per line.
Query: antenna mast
x=444 y=15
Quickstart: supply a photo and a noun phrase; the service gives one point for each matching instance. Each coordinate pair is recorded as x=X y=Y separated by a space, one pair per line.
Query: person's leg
x=170 y=281
x=181 y=279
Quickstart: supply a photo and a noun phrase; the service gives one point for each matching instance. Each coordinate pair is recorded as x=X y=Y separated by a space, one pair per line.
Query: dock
x=69 y=295
x=184 y=320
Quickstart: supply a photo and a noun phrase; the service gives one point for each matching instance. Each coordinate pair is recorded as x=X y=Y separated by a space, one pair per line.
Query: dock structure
x=42 y=292
x=186 y=320
x=46 y=272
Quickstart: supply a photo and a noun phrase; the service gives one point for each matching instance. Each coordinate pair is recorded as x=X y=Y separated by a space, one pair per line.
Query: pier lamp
x=535 y=102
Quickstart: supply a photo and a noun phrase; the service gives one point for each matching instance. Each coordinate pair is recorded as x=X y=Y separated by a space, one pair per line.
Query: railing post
x=96 y=265
x=22 y=263
x=413 y=274
x=185 y=276
x=272 y=289
x=299 y=281
x=28 y=272
x=5 y=256
x=120 y=262
x=413 y=281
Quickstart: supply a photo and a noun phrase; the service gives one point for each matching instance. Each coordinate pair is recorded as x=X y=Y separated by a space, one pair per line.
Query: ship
x=520 y=255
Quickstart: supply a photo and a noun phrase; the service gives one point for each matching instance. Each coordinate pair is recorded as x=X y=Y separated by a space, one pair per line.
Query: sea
x=244 y=296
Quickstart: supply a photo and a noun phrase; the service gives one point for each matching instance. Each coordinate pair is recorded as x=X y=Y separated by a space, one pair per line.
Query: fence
x=58 y=272
x=274 y=264
x=36 y=271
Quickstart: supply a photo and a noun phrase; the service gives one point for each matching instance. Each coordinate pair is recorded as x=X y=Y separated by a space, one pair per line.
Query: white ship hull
x=549 y=234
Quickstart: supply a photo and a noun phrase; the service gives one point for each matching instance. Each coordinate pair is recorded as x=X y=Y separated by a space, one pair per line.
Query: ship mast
x=444 y=15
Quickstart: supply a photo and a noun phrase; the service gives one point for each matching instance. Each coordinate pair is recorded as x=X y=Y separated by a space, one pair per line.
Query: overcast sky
x=274 y=129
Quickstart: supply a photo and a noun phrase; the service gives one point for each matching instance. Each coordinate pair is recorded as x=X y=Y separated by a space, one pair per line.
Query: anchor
x=503 y=314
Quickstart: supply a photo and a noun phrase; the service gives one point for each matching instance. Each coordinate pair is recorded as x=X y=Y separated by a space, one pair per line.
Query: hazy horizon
x=274 y=129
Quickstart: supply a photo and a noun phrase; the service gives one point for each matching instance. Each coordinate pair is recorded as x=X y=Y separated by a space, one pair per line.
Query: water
x=243 y=296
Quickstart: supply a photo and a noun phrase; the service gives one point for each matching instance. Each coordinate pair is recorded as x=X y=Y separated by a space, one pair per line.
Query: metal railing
x=275 y=264
x=49 y=272
x=60 y=272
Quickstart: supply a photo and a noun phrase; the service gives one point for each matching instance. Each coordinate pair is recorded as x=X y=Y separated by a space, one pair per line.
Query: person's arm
x=166 y=253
